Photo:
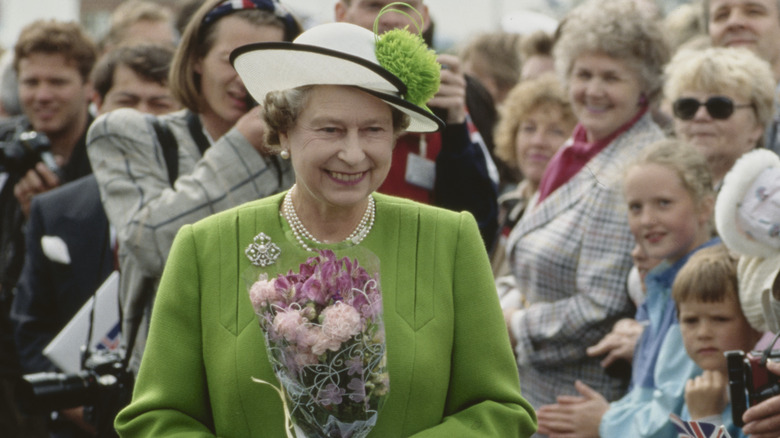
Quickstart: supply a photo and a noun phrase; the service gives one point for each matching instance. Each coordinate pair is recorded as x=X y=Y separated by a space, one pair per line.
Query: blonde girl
x=669 y=197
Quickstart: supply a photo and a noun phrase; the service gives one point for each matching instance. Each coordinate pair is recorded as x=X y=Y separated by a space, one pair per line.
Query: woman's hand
x=706 y=395
x=573 y=416
x=763 y=419
x=619 y=343
x=508 y=312
x=252 y=127
x=452 y=90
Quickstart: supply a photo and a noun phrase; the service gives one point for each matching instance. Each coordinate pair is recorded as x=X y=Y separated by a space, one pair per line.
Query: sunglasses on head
x=719 y=107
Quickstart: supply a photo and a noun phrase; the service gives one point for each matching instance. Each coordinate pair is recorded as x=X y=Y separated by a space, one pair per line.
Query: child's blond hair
x=709 y=275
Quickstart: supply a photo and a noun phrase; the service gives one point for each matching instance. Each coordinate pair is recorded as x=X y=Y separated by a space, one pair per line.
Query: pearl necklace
x=300 y=232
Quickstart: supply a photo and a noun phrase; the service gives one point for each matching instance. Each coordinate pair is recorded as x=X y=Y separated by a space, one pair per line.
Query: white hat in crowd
x=747 y=216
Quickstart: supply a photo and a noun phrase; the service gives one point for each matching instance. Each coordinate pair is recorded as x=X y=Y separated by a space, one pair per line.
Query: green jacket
x=452 y=373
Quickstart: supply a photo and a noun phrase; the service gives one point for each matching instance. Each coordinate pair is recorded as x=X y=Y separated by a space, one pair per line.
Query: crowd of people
x=569 y=229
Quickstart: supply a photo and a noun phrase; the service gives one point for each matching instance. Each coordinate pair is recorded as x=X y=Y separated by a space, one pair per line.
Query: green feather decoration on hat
x=408 y=57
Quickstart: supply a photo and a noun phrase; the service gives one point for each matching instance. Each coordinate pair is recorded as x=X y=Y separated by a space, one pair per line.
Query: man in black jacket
x=52 y=60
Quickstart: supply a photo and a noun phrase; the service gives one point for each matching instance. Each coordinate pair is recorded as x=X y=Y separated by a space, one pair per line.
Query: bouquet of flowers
x=326 y=342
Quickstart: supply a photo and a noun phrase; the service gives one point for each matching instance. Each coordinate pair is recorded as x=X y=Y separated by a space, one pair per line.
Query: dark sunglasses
x=719 y=107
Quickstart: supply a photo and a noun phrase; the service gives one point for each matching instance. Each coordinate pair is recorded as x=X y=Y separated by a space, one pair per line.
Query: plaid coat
x=570 y=257
x=146 y=211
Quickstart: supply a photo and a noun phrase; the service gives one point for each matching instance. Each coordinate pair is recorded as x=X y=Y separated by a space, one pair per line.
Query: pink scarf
x=570 y=160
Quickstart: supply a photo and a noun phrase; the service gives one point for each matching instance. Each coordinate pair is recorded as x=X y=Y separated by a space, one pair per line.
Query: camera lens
x=46 y=392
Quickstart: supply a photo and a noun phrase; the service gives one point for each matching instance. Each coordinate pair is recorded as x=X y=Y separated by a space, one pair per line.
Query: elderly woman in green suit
x=335 y=111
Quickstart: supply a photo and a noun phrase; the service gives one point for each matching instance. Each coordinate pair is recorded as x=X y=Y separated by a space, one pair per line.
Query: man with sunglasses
x=755 y=25
x=722 y=100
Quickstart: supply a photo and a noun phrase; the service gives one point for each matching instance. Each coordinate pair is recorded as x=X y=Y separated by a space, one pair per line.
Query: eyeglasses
x=719 y=107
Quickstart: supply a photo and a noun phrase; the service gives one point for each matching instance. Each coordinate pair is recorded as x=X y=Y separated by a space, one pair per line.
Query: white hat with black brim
x=331 y=54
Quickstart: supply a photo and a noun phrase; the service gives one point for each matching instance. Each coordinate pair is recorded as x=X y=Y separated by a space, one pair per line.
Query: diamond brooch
x=262 y=252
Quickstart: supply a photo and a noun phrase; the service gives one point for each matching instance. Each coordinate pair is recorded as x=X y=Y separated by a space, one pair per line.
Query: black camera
x=25 y=150
x=749 y=380
x=103 y=387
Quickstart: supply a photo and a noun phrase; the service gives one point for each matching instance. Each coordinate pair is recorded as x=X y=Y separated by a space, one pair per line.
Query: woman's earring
x=285 y=154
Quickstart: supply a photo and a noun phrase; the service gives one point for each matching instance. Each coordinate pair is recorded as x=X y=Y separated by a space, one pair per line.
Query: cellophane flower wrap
x=326 y=342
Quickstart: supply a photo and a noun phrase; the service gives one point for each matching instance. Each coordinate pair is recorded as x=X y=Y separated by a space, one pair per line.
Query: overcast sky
x=455 y=19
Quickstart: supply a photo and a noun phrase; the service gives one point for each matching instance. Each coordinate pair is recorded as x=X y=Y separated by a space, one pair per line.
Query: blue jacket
x=660 y=366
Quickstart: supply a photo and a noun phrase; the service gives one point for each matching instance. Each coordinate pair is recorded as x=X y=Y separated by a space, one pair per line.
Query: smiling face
x=709 y=329
x=754 y=24
x=604 y=92
x=341 y=146
x=222 y=89
x=662 y=214
x=540 y=134
x=53 y=95
x=721 y=142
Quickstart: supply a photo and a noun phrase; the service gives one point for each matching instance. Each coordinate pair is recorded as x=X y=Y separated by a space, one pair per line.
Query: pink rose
x=287 y=324
x=262 y=293
x=308 y=335
x=341 y=322
x=325 y=343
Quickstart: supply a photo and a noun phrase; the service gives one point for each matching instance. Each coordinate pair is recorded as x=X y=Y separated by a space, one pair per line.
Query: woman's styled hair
x=722 y=70
x=544 y=93
x=282 y=108
x=618 y=29
x=197 y=41
x=709 y=276
x=685 y=161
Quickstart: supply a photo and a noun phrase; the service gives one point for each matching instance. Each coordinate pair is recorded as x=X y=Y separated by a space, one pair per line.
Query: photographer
x=55 y=284
x=52 y=61
x=748 y=220
x=219 y=158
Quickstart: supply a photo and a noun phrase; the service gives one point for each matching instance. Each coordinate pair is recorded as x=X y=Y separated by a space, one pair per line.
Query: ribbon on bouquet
x=280 y=390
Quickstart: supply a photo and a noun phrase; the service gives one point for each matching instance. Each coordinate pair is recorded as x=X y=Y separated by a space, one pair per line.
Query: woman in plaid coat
x=571 y=254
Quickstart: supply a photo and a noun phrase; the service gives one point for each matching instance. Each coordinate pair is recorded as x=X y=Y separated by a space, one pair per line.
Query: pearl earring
x=285 y=154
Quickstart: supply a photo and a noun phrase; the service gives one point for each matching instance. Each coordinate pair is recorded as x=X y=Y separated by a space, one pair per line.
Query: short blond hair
x=709 y=275
x=719 y=69
x=542 y=93
x=618 y=29
x=685 y=161
x=132 y=12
